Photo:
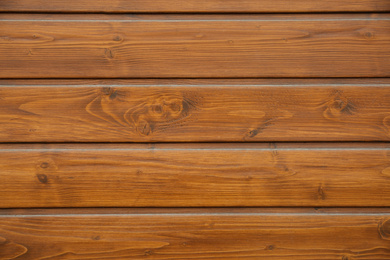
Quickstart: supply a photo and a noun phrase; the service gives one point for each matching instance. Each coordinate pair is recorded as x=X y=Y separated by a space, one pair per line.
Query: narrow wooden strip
x=197 y=236
x=185 y=177
x=199 y=146
x=181 y=111
x=262 y=46
x=175 y=17
x=294 y=82
x=221 y=6
x=66 y=212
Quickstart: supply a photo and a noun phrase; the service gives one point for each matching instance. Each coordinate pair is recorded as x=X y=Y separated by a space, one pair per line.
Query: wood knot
x=106 y=90
x=337 y=106
x=42 y=178
x=148 y=252
x=44 y=165
x=368 y=35
x=270 y=247
x=96 y=238
x=160 y=112
x=117 y=38
x=321 y=193
x=345 y=257
x=144 y=128
x=384 y=229
x=109 y=92
x=254 y=132
x=109 y=53
x=144 y=114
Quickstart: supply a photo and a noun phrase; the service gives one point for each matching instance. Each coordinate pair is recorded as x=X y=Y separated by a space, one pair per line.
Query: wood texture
x=170 y=6
x=56 y=212
x=189 y=175
x=122 y=71
x=225 y=235
x=197 y=110
x=343 y=45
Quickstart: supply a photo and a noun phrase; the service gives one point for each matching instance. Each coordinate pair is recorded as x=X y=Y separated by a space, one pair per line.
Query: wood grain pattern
x=196 y=111
x=171 y=6
x=211 y=81
x=325 y=236
x=56 y=212
x=343 y=45
x=189 y=175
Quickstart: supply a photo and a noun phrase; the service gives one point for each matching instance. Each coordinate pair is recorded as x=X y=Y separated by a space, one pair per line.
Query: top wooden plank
x=198 y=6
x=194 y=46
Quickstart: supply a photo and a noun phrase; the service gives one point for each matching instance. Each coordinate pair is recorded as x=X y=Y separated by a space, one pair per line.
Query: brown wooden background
x=217 y=129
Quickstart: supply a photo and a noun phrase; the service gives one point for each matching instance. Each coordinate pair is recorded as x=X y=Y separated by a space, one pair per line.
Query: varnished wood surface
x=342 y=45
x=197 y=235
x=194 y=110
x=189 y=175
x=92 y=77
x=57 y=212
x=212 y=6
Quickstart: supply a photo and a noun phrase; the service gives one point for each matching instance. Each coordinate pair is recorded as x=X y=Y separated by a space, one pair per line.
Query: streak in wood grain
x=147 y=115
x=11 y=250
x=386 y=172
x=386 y=124
x=280 y=163
x=384 y=229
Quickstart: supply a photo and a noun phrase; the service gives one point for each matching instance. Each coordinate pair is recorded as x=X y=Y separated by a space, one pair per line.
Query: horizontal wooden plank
x=197 y=81
x=57 y=212
x=343 y=45
x=197 y=236
x=169 y=6
x=196 y=111
x=189 y=175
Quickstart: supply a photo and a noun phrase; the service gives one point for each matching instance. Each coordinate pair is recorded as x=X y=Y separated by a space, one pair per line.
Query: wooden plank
x=200 y=235
x=196 y=81
x=185 y=211
x=194 y=110
x=212 y=6
x=342 y=45
x=189 y=175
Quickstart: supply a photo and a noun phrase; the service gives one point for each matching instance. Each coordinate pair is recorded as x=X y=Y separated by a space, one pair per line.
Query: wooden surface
x=198 y=235
x=190 y=175
x=194 y=110
x=209 y=6
x=207 y=129
x=66 y=46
